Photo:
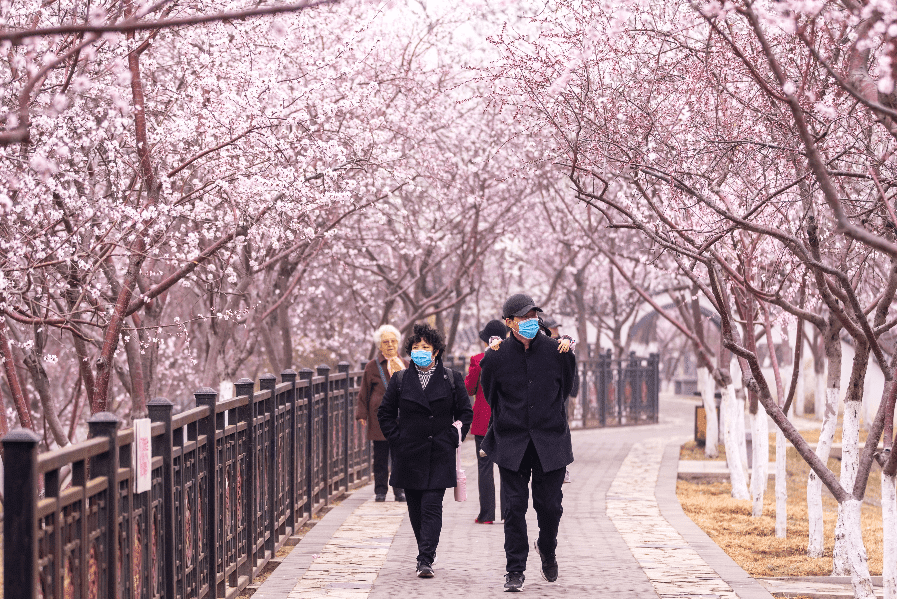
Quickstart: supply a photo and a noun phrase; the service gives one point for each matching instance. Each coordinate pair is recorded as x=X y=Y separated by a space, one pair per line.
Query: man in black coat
x=526 y=381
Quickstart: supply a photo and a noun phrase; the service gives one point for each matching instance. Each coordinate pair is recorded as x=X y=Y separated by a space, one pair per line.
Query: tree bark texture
x=708 y=388
x=816 y=543
x=733 y=453
x=781 y=485
x=850 y=459
x=760 y=459
x=889 y=534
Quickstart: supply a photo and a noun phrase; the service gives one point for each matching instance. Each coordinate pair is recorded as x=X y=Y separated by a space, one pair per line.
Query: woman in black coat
x=416 y=416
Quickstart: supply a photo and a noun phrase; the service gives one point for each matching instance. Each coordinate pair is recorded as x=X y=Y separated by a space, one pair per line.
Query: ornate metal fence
x=618 y=391
x=231 y=482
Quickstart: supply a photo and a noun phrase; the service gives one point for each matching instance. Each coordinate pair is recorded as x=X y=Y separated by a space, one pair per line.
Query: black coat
x=418 y=425
x=527 y=390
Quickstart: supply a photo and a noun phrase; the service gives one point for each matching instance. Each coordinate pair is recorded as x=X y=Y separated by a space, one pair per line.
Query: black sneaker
x=549 y=565
x=514 y=582
x=378 y=497
x=400 y=496
x=424 y=570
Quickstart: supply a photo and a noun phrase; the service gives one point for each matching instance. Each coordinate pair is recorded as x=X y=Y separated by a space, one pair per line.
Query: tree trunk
x=889 y=534
x=740 y=436
x=781 y=484
x=816 y=544
x=858 y=567
x=733 y=454
x=845 y=545
x=708 y=388
x=760 y=458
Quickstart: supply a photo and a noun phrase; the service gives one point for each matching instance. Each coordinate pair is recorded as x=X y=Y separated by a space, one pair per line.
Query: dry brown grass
x=692 y=451
x=752 y=543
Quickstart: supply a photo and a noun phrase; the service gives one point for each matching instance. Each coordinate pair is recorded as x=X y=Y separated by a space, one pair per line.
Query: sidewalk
x=623 y=534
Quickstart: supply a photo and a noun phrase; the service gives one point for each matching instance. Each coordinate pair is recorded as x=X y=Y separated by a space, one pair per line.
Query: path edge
x=670 y=508
x=287 y=575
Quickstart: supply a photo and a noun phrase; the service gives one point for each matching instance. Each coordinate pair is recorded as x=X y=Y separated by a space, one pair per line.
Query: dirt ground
x=752 y=543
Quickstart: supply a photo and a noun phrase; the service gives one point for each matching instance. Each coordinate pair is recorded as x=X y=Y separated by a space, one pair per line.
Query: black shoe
x=378 y=497
x=549 y=565
x=400 y=496
x=424 y=570
x=514 y=582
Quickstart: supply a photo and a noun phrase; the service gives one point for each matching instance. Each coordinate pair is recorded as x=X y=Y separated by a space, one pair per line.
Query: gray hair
x=387 y=328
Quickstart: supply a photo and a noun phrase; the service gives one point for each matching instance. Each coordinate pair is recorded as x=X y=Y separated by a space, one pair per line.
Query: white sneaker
x=567 y=478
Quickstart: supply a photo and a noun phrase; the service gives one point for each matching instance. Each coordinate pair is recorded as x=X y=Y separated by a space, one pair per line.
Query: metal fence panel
x=231 y=481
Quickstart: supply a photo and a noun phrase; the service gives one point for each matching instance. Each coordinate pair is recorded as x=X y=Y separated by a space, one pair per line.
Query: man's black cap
x=518 y=305
x=549 y=321
x=493 y=328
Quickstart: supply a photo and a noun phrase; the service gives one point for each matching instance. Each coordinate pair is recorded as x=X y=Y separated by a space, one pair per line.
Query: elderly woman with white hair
x=377 y=374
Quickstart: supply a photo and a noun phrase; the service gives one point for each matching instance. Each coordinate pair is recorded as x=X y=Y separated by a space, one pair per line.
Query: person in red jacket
x=481 y=416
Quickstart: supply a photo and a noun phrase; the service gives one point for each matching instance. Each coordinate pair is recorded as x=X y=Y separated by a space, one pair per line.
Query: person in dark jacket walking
x=554 y=327
x=526 y=382
x=374 y=381
x=481 y=416
x=424 y=439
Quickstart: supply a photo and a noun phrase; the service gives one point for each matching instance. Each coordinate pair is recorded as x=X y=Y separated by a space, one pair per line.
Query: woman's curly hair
x=424 y=332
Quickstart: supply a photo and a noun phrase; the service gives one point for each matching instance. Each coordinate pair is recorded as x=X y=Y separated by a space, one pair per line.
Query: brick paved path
x=616 y=539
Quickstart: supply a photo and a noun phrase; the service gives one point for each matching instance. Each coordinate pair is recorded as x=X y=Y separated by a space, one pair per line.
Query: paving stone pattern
x=613 y=541
x=672 y=566
x=348 y=565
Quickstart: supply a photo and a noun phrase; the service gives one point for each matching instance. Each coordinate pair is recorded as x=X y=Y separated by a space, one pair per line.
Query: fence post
x=268 y=382
x=208 y=427
x=635 y=387
x=324 y=371
x=105 y=424
x=289 y=376
x=306 y=375
x=20 y=495
x=160 y=410
x=343 y=367
x=246 y=414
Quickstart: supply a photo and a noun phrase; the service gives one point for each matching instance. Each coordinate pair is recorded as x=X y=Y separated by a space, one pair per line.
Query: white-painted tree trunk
x=889 y=535
x=781 y=486
x=730 y=439
x=708 y=388
x=800 y=400
x=855 y=553
x=850 y=462
x=740 y=432
x=829 y=411
x=760 y=459
x=821 y=398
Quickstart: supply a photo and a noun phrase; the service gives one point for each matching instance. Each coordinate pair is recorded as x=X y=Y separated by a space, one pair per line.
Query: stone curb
x=665 y=493
x=293 y=567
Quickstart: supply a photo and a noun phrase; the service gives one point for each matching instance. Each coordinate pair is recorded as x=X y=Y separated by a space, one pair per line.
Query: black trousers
x=485 y=483
x=547 y=497
x=382 y=465
x=425 y=513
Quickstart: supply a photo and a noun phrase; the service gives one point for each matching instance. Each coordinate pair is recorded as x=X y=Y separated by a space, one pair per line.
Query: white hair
x=387 y=328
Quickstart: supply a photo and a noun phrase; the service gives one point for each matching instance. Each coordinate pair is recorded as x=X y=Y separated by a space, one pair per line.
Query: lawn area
x=752 y=543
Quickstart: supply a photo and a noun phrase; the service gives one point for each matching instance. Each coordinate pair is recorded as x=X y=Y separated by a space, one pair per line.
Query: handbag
x=461 y=486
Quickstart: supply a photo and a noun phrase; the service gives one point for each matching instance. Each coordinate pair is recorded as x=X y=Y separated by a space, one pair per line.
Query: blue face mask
x=529 y=328
x=423 y=358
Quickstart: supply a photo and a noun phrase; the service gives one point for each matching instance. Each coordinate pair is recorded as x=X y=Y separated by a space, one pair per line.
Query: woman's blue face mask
x=422 y=357
x=528 y=328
